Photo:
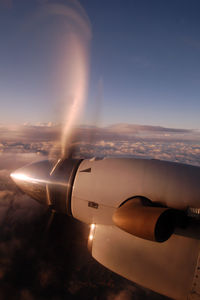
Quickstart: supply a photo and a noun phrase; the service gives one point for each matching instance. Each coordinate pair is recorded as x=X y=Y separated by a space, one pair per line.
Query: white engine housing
x=102 y=185
x=168 y=268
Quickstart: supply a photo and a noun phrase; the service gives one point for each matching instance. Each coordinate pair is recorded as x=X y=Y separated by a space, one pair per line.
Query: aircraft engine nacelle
x=147 y=198
x=103 y=189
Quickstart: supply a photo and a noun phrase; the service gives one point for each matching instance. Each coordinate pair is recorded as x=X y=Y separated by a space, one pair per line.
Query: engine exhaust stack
x=148 y=222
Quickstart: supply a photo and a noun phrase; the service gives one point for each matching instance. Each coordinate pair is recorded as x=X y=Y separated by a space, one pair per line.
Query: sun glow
x=92 y=232
x=22 y=177
x=19 y=176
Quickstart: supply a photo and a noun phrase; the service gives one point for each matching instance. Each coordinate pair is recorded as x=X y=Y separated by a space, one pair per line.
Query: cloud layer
x=37 y=142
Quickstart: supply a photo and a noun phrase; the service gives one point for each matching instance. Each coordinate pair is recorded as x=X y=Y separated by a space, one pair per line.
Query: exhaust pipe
x=147 y=222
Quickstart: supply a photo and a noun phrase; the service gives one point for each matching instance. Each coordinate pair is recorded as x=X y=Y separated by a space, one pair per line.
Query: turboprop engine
x=147 y=198
x=140 y=213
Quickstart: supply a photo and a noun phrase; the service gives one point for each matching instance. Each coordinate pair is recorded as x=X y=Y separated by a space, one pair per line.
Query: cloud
x=126 y=294
x=24 y=144
x=133 y=128
x=29 y=133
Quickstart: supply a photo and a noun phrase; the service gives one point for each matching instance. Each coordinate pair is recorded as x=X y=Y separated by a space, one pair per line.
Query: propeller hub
x=48 y=183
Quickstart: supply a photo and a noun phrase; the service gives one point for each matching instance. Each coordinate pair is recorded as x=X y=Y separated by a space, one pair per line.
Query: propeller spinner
x=48 y=184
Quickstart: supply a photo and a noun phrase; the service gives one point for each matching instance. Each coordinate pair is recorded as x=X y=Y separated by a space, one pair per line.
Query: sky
x=143 y=66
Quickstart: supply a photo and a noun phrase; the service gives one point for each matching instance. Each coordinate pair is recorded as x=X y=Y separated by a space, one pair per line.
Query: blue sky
x=145 y=55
